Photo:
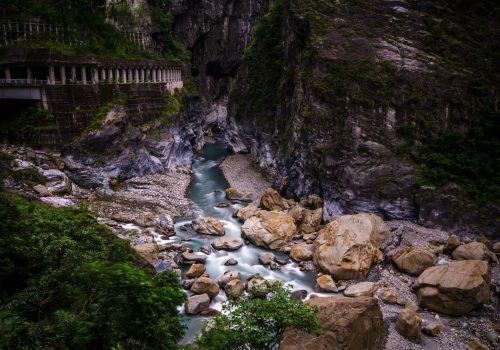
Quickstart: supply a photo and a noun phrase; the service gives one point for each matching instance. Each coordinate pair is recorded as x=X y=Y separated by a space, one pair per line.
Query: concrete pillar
x=154 y=75
x=7 y=73
x=52 y=76
x=124 y=75
x=136 y=71
x=159 y=75
x=73 y=73
x=148 y=75
x=103 y=75
x=141 y=78
x=63 y=75
x=165 y=75
x=117 y=75
x=84 y=75
x=28 y=72
x=130 y=75
x=95 y=75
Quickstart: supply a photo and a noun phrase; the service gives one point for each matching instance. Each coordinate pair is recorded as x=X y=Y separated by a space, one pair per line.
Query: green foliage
x=257 y=323
x=98 y=120
x=67 y=282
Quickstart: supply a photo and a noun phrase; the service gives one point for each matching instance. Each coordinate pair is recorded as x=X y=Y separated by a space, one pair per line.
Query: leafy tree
x=258 y=323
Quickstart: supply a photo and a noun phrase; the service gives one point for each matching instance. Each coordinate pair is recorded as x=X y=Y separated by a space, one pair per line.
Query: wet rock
x=227 y=243
x=348 y=246
x=228 y=276
x=193 y=257
x=231 y=262
x=301 y=252
x=272 y=200
x=472 y=251
x=432 y=329
x=144 y=219
x=241 y=195
x=208 y=226
x=347 y=323
x=300 y=294
x=195 y=270
x=266 y=258
x=206 y=249
x=414 y=261
x=148 y=251
x=269 y=229
x=247 y=212
x=388 y=296
x=409 y=324
x=326 y=284
x=166 y=222
x=196 y=304
x=223 y=205
x=186 y=284
x=234 y=288
x=282 y=261
x=452 y=243
x=209 y=313
x=362 y=289
x=455 y=289
x=205 y=285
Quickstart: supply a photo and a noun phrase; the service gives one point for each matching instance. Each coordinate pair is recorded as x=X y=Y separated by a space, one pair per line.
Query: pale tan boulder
x=208 y=226
x=196 y=304
x=241 y=195
x=227 y=243
x=195 y=270
x=272 y=200
x=326 y=284
x=301 y=252
x=472 y=251
x=414 y=261
x=246 y=213
x=362 y=289
x=206 y=285
x=409 y=324
x=269 y=229
x=228 y=276
x=455 y=289
x=234 y=288
x=347 y=247
x=148 y=251
x=347 y=324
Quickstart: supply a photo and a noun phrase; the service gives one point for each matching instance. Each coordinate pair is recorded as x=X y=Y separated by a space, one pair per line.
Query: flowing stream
x=206 y=191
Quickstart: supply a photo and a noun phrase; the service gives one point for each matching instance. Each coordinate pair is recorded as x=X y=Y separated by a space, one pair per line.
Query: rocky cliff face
x=379 y=106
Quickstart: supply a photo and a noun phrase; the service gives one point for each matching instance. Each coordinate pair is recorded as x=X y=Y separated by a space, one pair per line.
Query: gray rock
x=266 y=258
x=197 y=303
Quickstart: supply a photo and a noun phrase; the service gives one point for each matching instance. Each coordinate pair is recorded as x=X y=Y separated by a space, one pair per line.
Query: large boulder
x=148 y=251
x=208 y=226
x=204 y=285
x=347 y=247
x=409 y=324
x=455 y=289
x=472 y=251
x=307 y=220
x=326 y=284
x=190 y=258
x=414 y=261
x=227 y=243
x=246 y=213
x=195 y=270
x=301 y=252
x=272 y=200
x=166 y=222
x=196 y=304
x=347 y=323
x=241 y=195
x=234 y=288
x=228 y=276
x=57 y=181
x=269 y=229
x=361 y=289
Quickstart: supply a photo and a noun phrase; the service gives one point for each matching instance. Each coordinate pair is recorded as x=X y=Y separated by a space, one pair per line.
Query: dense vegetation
x=258 y=323
x=91 y=27
x=66 y=282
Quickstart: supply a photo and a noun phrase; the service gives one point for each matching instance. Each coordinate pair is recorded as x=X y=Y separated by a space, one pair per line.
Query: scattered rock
x=477 y=345
x=196 y=304
x=148 y=251
x=196 y=270
x=300 y=294
x=452 y=243
x=58 y=202
x=414 y=261
x=247 y=212
x=326 y=284
x=269 y=229
x=388 y=296
x=409 y=324
x=231 y=262
x=193 y=257
x=166 y=222
x=186 y=284
x=208 y=226
x=301 y=252
x=57 y=181
x=272 y=200
x=266 y=258
x=41 y=190
x=348 y=246
x=496 y=248
x=234 y=288
x=455 y=289
x=347 y=323
x=227 y=243
x=223 y=205
x=432 y=329
x=228 y=276
x=362 y=289
x=472 y=251
x=206 y=249
x=205 y=285
x=241 y=195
